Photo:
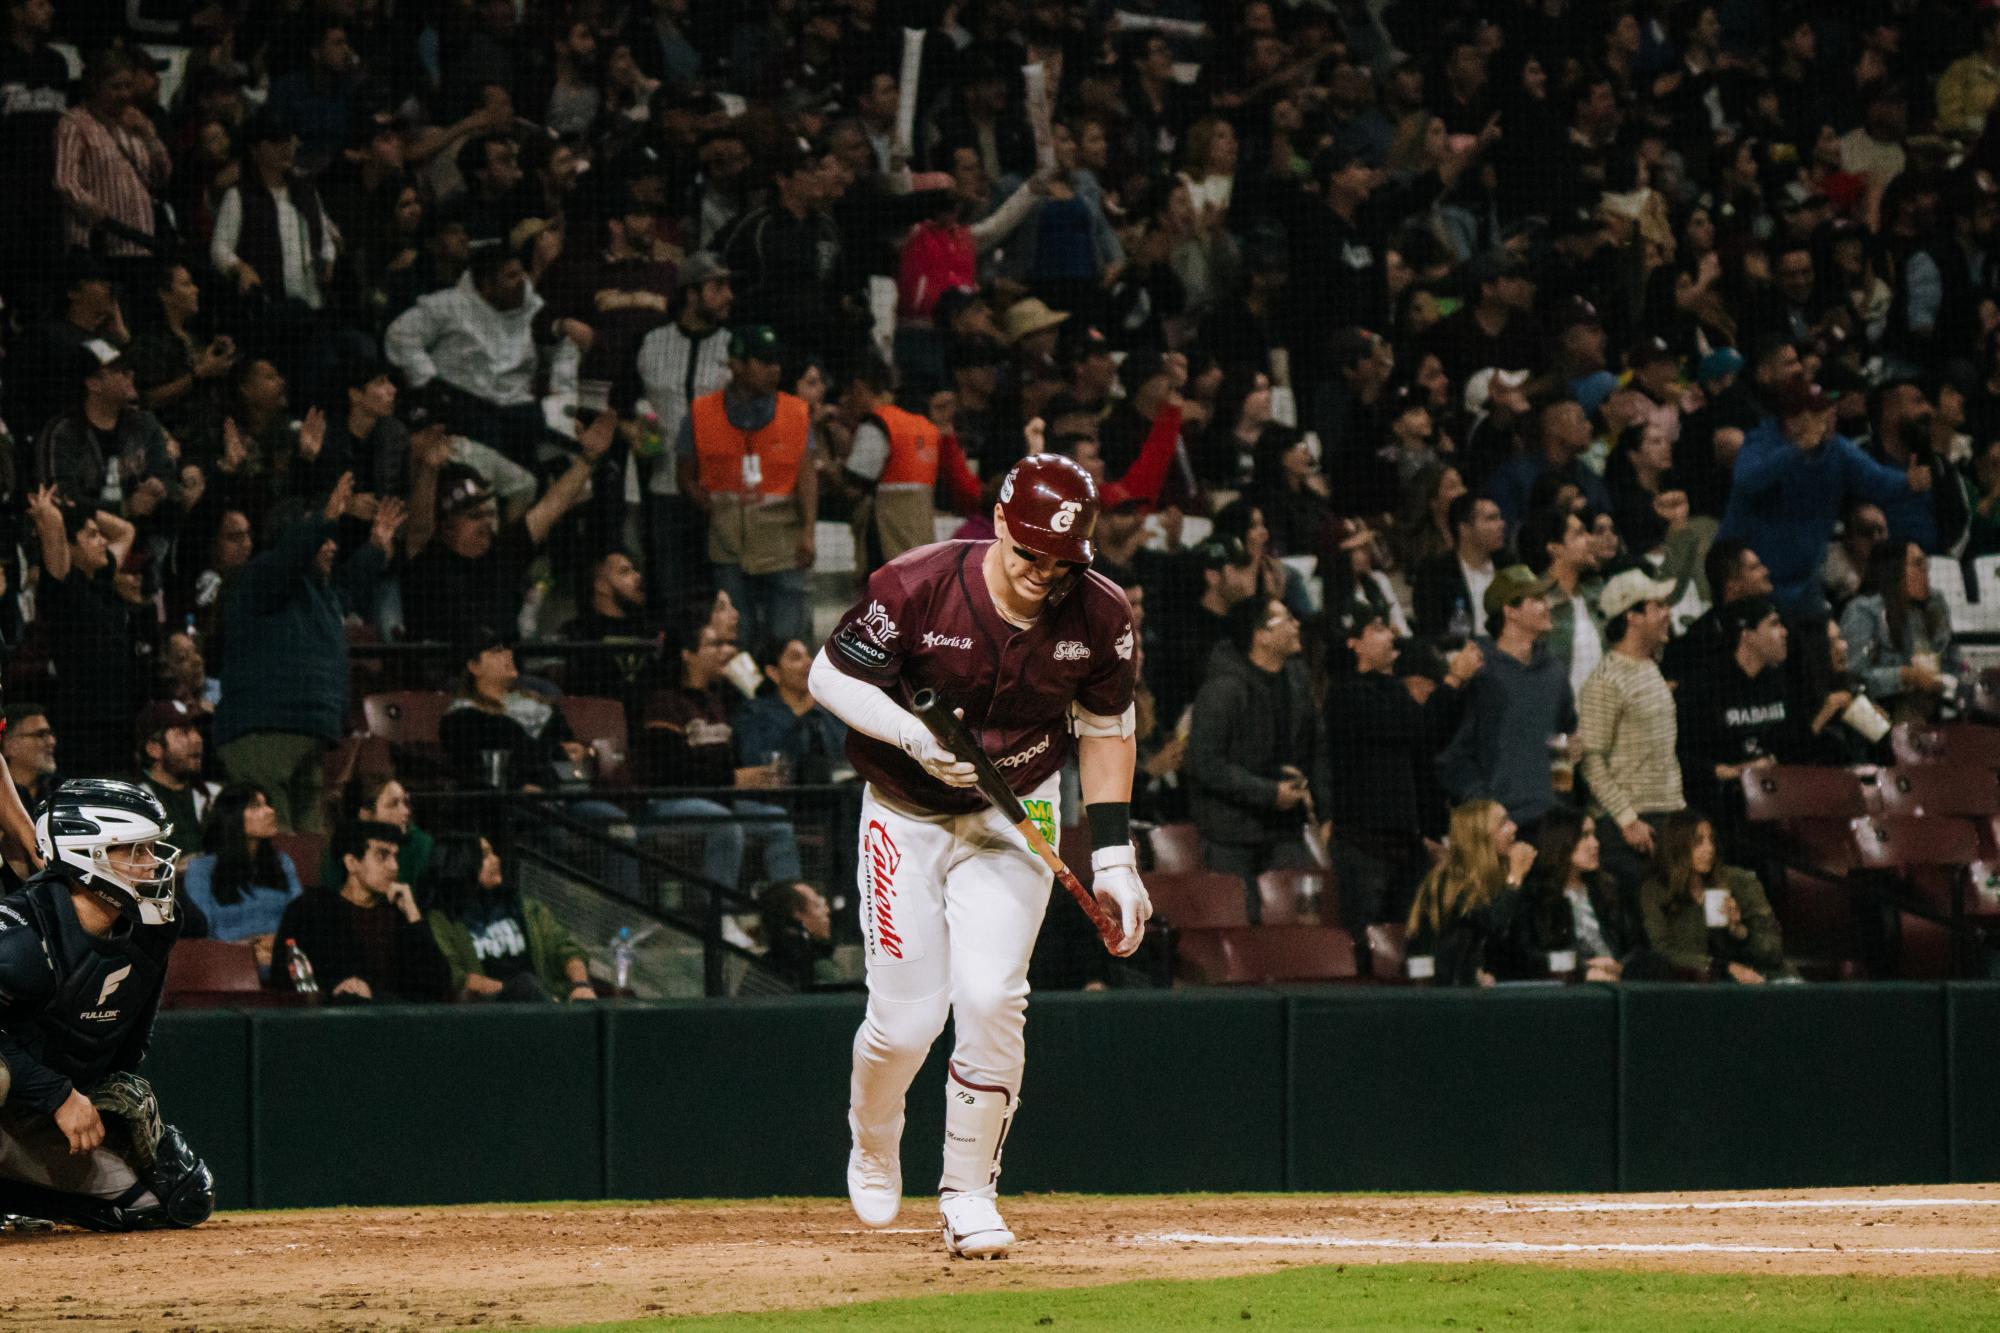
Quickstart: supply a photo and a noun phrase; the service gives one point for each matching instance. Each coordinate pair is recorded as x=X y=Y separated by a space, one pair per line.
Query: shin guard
x=976 y=1120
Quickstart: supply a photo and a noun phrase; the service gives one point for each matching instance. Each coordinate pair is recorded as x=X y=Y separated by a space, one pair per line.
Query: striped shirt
x=677 y=367
x=108 y=171
x=1626 y=723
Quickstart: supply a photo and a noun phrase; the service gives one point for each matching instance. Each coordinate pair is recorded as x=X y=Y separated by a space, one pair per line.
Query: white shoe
x=874 y=1186
x=972 y=1227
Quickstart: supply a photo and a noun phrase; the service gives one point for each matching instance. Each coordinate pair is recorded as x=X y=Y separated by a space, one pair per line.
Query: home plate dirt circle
x=508 y=1267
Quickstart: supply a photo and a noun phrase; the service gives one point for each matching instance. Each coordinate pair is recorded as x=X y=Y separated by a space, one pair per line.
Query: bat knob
x=924 y=701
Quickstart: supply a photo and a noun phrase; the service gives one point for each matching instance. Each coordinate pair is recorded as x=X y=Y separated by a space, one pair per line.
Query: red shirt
x=927 y=621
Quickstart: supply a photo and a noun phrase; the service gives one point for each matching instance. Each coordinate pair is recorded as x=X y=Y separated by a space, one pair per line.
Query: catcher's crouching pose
x=1034 y=650
x=83 y=956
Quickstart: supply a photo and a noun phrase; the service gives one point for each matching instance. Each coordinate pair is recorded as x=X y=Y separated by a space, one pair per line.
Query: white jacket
x=455 y=336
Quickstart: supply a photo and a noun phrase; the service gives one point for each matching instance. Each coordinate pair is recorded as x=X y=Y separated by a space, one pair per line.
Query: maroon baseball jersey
x=927 y=621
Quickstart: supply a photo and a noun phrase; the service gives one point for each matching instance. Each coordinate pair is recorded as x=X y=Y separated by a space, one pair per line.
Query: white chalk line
x=1726 y=1205
x=1552 y=1247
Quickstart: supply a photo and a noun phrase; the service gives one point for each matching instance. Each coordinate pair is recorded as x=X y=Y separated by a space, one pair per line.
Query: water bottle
x=622 y=950
x=300 y=969
x=1459 y=627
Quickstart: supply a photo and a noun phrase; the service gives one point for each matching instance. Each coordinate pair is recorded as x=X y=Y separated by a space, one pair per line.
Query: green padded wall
x=199 y=1064
x=1974 y=1025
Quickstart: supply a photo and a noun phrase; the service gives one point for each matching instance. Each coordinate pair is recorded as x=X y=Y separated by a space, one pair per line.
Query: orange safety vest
x=913 y=448
x=721 y=447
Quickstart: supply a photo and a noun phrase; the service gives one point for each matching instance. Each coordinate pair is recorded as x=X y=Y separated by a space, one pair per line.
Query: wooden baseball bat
x=952 y=733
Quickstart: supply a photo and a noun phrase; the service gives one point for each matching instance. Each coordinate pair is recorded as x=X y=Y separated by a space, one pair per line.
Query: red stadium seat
x=1821 y=925
x=1176 y=848
x=1388 y=951
x=1965 y=744
x=1900 y=842
x=1198 y=899
x=1265 y=955
x=216 y=973
x=408 y=721
x=306 y=851
x=1924 y=949
x=600 y=724
x=1940 y=789
x=1295 y=897
x=1802 y=791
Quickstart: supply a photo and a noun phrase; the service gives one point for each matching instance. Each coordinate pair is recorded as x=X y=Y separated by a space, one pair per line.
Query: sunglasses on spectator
x=1035 y=558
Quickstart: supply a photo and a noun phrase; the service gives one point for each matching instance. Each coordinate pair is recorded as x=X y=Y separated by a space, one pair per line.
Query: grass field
x=1414 y=1296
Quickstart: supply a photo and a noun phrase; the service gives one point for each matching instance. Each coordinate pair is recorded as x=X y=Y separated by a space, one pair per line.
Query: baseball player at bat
x=1036 y=652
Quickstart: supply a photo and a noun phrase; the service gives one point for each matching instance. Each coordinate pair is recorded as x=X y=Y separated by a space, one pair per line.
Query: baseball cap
x=1217 y=552
x=1577 y=311
x=701 y=266
x=1479 y=389
x=1512 y=584
x=755 y=342
x=96 y=355
x=1648 y=352
x=1745 y=613
x=1799 y=396
x=161 y=716
x=1627 y=590
x=1722 y=361
x=1340 y=157
x=1140 y=368
x=459 y=488
x=478 y=640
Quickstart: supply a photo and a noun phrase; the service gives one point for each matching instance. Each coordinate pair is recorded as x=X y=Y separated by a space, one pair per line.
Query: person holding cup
x=1467 y=902
x=1573 y=921
x=1709 y=920
x=1899 y=637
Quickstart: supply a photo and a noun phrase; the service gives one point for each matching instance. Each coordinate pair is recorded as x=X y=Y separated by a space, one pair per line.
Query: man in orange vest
x=895 y=464
x=745 y=455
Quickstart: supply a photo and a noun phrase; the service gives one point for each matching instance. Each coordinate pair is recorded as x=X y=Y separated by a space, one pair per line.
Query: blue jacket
x=256 y=912
x=1784 y=501
x=1501 y=750
x=284 y=665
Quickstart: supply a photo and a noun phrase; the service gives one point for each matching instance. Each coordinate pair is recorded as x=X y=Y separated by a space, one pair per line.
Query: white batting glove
x=1115 y=879
x=939 y=762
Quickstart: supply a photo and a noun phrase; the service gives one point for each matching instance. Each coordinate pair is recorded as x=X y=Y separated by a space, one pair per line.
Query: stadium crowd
x=1513 y=420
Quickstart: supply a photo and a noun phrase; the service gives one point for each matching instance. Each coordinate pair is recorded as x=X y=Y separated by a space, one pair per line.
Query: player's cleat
x=15 y=1222
x=972 y=1227
x=874 y=1186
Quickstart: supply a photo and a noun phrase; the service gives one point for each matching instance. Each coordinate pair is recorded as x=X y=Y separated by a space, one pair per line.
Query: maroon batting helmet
x=1050 y=504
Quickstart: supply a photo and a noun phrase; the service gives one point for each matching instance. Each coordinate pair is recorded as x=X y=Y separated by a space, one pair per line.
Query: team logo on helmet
x=1065 y=516
x=1007 y=489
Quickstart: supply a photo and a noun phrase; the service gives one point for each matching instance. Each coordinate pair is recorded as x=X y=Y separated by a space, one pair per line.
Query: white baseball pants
x=951 y=906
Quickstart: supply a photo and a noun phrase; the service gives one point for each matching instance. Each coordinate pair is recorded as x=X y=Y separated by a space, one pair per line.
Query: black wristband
x=1110 y=824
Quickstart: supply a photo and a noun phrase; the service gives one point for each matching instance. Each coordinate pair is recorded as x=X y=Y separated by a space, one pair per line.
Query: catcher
x=83 y=956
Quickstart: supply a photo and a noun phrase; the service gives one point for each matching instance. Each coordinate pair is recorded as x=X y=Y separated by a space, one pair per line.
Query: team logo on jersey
x=877 y=625
x=11 y=915
x=1124 y=645
x=111 y=983
x=1065 y=516
x=888 y=942
x=933 y=639
x=1016 y=760
x=1044 y=815
x=1069 y=650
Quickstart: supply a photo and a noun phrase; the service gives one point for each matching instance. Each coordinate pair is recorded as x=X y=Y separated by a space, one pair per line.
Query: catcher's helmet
x=86 y=818
x=1050 y=504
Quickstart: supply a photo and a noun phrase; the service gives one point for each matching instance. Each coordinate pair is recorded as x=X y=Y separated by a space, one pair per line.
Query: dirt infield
x=502 y=1267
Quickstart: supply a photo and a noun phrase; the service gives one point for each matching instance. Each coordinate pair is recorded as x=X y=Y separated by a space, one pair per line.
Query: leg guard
x=976 y=1119
x=182 y=1183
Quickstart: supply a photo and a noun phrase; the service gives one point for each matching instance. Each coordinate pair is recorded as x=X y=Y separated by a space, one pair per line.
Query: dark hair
x=1614 y=628
x=487 y=261
x=354 y=835
x=454 y=873
x=1724 y=555
x=17 y=713
x=1555 y=843
x=363 y=790
x=1234 y=519
x=1459 y=513
x=238 y=868
x=1245 y=619
x=1885 y=580
x=472 y=157
x=1541 y=529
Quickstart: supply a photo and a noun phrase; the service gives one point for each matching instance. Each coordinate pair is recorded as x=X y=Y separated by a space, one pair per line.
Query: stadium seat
x=1388 y=950
x=212 y=973
x=1264 y=955
x=1197 y=899
x=600 y=724
x=1900 y=842
x=1940 y=789
x=1176 y=848
x=408 y=721
x=306 y=851
x=1821 y=925
x=1293 y=897
x=1802 y=791
x=1965 y=744
x=1924 y=949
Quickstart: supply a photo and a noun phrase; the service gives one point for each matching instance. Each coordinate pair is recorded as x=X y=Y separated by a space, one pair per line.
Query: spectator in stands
x=1572 y=906
x=501 y=943
x=783 y=724
x=241 y=881
x=466 y=569
x=1626 y=726
x=180 y=376
x=1256 y=764
x=1740 y=941
x=272 y=235
x=170 y=764
x=88 y=617
x=1899 y=638
x=1792 y=478
x=40 y=379
x=285 y=663
x=798 y=934
x=1188 y=639
x=29 y=746
x=1380 y=739
x=499 y=736
x=785 y=253
x=896 y=463
x=476 y=341
x=1565 y=435
x=616 y=614
x=1467 y=902
x=679 y=362
x=111 y=166
x=746 y=457
x=1734 y=571
x=607 y=291
x=1555 y=544
x=380 y=799
x=366 y=436
x=105 y=450
x=368 y=940
x=1519 y=713
x=1862 y=526
x=1446 y=588
x=688 y=742
x=494 y=199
